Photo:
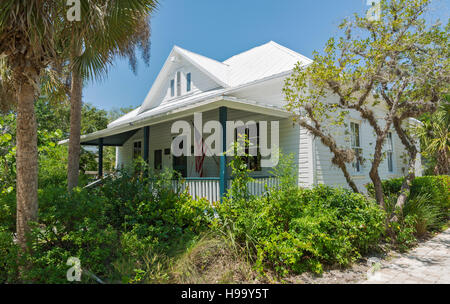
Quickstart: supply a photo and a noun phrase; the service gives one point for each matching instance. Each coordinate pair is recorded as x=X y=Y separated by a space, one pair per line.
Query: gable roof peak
x=218 y=71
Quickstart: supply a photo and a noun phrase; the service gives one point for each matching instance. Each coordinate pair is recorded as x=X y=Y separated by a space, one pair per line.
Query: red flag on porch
x=199 y=159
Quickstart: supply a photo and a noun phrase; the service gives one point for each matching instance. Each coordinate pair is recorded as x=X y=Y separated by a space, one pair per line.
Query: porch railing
x=202 y=187
x=209 y=187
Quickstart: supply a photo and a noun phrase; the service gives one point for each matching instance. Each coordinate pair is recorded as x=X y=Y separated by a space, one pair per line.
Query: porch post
x=146 y=144
x=223 y=158
x=100 y=157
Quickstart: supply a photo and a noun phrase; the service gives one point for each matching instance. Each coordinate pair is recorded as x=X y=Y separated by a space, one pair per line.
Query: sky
x=220 y=29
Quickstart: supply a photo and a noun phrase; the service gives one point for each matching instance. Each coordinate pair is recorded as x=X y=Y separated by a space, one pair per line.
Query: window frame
x=138 y=141
x=253 y=162
x=390 y=152
x=178 y=83
x=188 y=82
x=172 y=87
x=158 y=166
x=357 y=147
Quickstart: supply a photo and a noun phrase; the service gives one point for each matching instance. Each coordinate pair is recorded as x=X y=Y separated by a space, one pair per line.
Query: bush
x=426 y=216
x=116 y=230
x=296 y=230
x=301 y=229
x=426 y=209
x=8 y=257
x=8 y=210
x=437 y=187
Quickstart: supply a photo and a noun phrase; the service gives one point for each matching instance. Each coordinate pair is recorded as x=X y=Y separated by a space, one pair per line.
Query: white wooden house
x=246 y=87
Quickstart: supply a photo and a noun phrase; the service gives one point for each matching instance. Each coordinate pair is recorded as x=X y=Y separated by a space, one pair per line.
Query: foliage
x=240 y=172
x=53 y=123
x=427 y=208
x=404 y=233
x=373 y=64
x=7 y=152
x=436 y=187
x=426 y=216
x=296 y=230
x=135 y=229
x=434 y=133
x=8 y=257
x=129 y=221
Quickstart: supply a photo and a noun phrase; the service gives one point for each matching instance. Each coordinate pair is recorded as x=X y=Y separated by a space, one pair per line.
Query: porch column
x=146 y=144
x=100 y=157
x=223 y=158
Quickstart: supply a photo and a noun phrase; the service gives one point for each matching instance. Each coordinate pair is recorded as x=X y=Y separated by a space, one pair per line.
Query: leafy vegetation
x=427 y=208
x=398 y=62
x=124 y=220
x=134 y=229
x=434 y=136
x=296 y=230
x=435 y=187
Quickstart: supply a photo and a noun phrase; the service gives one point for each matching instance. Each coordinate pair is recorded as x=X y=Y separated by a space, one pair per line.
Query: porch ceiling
x=112 y=140
x=117 y=135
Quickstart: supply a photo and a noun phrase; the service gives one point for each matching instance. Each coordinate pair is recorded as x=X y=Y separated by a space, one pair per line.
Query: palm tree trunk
x=75 y=131
x=442 y=165
x=409 y=144
x=26 y=162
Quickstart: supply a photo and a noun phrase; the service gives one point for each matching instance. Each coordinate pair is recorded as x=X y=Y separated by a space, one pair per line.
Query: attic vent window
x=188 y=82
x=172 y=88
x=178 y=83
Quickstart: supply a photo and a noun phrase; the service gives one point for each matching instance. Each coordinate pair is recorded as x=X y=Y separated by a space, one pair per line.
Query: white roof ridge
x=246 y=51
x=288 y=50
x=188 y=51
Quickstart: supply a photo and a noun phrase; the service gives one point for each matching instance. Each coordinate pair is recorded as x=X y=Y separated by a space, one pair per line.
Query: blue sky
x=222 y=28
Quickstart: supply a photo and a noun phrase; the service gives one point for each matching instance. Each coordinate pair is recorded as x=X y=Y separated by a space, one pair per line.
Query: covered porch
x=205 y=177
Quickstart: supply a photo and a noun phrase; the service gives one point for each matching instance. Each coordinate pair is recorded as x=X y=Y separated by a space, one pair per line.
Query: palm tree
x=33 y=35
x=435 y=136
x=104 y=32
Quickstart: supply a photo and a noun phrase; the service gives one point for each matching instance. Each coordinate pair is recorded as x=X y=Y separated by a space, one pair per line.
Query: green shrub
x=403 y=231
x=426 y=216
x=8 y=258
x=437 y=187
x=301 y=229
x=129 y=219
x=426 y=209
x=8 y=210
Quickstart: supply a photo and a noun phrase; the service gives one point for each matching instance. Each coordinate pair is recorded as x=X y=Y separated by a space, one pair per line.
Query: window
x=253 y=161
x=356 y=146
x=172 y=88
x=188 y=82
x=390 y=153
x=178 y=83
x=158 y=159
x=137 y=149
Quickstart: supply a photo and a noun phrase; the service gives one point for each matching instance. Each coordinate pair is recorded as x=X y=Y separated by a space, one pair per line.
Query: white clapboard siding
x=329 y=174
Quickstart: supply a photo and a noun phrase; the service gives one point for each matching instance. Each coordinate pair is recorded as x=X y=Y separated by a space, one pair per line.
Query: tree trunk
x=412 y=154
x=442 y=163
x=75 y=131
x=373 y=174
x=378 y=187
x=348 y=177
x=26 y=161
x=407 y=182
